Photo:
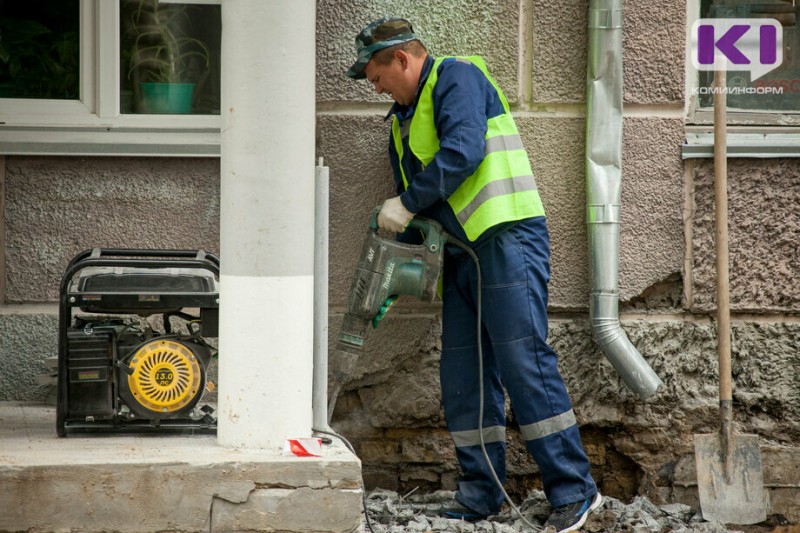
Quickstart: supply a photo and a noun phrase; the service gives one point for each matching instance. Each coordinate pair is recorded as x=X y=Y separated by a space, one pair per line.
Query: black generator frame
x=122 y=302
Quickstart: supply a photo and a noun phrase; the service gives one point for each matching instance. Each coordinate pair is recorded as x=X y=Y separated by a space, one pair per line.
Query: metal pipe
x=319 y=392
x=603 y=193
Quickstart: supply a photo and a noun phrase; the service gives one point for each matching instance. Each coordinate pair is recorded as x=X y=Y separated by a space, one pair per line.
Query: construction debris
x=391 y=513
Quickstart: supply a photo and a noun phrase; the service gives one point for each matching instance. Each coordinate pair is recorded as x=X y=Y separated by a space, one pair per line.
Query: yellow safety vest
x=502 y=189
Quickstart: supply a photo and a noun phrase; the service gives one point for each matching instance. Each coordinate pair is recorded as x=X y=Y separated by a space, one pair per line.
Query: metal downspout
x=603 y=193
x=319 y=391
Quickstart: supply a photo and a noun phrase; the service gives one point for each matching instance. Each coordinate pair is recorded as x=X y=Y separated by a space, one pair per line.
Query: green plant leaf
x=161 y=50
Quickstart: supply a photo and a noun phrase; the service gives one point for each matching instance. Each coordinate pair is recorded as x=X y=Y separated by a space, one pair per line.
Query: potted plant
x=165 y=60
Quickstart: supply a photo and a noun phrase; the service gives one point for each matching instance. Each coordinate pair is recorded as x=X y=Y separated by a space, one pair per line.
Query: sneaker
x=457 y=510
x=572 y=516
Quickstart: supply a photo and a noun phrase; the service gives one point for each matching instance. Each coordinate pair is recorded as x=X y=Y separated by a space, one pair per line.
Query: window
x=169 y=57
x=785 y=78
x=763 y=115
x=96 y=106
x=39 y=49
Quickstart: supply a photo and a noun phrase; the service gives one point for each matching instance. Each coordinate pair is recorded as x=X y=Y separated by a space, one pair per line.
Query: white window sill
x=700 y=144
x=110 y=141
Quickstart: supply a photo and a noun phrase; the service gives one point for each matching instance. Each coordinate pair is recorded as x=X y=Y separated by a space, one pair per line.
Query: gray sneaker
x=572 y=516
x=456 y=510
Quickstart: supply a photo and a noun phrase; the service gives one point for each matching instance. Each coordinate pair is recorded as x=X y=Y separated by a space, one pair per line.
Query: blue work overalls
x=514 y=262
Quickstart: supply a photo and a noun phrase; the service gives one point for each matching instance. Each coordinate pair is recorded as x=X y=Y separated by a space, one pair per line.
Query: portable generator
x=116 y=371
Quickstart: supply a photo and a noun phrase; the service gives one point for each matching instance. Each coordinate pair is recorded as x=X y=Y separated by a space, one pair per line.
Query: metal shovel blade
x=734 y=499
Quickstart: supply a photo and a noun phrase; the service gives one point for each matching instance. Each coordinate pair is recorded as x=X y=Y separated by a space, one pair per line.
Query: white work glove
x=394 y=216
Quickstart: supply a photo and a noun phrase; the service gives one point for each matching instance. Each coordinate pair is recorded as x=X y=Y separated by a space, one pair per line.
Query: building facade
x=112 y=179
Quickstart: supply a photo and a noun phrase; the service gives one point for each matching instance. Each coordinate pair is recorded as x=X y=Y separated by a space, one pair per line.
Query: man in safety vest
x=458 y=158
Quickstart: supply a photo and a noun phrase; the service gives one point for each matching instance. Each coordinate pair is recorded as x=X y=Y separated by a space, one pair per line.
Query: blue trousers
x=515 y=270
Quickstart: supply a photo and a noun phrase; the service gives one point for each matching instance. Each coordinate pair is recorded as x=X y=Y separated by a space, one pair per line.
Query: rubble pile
x=391 y=513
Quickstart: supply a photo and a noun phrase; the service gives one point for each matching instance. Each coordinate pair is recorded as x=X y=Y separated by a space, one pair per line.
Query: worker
x=458 y=158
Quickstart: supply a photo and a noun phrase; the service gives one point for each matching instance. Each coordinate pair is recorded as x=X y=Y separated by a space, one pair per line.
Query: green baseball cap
x=379 y=34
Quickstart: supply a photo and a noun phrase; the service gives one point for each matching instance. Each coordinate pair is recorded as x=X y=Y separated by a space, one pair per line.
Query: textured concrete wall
x=764 y=236
x=653 y=42
x=56 y=207
x=651 y=232
x=25 y=341
x=653 y=47
x=457 y=27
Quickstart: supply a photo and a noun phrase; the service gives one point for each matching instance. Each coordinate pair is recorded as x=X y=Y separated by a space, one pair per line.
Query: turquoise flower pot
x=167 y=98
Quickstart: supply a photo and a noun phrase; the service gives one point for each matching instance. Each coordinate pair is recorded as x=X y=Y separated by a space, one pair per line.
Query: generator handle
x=141 y=263
x=200 y=255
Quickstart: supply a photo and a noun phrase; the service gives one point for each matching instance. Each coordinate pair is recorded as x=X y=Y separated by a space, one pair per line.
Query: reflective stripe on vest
x=502 y=189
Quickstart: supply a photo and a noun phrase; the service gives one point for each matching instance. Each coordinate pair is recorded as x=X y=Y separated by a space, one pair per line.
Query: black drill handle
x=431 y=230
x=421 y=223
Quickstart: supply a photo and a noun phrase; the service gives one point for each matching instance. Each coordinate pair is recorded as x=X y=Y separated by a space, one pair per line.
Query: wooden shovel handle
x=721 y=237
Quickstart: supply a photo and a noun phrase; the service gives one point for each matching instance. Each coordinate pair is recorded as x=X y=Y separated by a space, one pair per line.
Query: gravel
x=390 y=512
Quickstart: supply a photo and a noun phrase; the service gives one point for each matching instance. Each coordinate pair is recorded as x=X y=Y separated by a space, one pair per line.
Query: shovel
x=729 y=475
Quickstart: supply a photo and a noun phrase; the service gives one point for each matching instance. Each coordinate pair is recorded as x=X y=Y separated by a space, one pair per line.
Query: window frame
x=93 y=124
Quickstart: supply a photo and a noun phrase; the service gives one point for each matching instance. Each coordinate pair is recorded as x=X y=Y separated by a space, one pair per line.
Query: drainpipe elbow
x=618 y=349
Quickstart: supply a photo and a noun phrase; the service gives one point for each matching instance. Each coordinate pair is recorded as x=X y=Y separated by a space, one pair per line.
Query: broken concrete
x=142 y=483
x=287 y=509
x=389 y=513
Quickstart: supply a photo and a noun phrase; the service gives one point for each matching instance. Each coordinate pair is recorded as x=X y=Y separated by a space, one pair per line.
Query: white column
x=267 y=222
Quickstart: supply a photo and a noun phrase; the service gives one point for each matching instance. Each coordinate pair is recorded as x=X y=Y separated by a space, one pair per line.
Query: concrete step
x=143 y=483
